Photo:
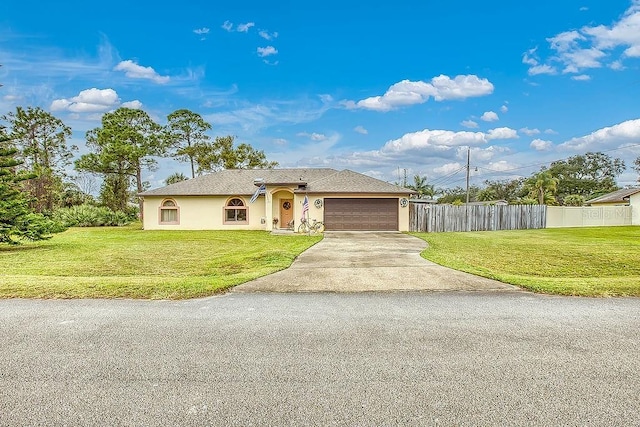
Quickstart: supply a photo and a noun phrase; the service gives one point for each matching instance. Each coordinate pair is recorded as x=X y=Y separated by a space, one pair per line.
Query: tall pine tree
x=17 y=221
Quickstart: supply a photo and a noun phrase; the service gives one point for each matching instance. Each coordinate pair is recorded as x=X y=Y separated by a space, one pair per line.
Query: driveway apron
x=368 y=261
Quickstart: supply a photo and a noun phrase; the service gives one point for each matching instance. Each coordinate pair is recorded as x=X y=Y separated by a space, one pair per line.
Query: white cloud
x=252 y=118
x=565 y=41
x=617 y=66
x=313 y=136
x=136 y=105
x=502 y=133
x=201 y=31
x=434 y=152
x=580 y=59
x=280 y=141
x=489 y=116
x=504 y=108
x=267 y=51
x=135 y=71
x=481 y=154
x=581 y=77
x=267 y=35
x=583 y=9
x=593 y=46
x=541 y=145
x=550 y=132
x=433 y=141
x=530 y=132
x=440 y=88
x=500 y=166
x=542 y=69
x=469 y=124
x=530 y=57
x=88 y=101
x=448 y=168
x=624 y=33
x=627 y=132
x=227 y=26
x=361 y=130
x=244 y=28
x=424 y=149
x=11 y=98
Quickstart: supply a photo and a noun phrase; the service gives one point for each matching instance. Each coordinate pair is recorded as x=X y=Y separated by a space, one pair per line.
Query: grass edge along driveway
x=593 y=261
x=127 y=262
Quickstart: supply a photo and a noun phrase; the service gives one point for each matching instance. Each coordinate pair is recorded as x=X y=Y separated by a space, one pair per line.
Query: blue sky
x=377 y=89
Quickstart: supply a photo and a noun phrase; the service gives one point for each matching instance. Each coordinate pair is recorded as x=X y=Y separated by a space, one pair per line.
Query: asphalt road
x=432 y=358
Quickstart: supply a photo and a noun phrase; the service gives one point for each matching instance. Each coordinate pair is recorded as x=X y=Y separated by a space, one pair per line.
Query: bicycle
x=308 y=227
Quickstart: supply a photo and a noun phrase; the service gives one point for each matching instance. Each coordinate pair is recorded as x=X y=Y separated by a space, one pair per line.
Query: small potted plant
x=275 y=221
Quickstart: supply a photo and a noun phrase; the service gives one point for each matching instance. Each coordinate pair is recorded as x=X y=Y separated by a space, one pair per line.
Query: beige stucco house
x=617 y=198
x=267 y=199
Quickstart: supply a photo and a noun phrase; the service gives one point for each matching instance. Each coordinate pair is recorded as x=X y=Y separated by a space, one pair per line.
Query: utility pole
x=405 y=178
x=468 y=169
x=466 y=206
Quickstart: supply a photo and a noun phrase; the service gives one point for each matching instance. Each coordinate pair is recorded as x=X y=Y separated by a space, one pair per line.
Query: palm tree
x=421 y=187
x=543 y=186
x=175 y=177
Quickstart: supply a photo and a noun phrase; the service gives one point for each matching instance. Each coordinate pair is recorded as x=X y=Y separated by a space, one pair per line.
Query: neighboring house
x=343 y=200
x=617 y=198
x=423 y=201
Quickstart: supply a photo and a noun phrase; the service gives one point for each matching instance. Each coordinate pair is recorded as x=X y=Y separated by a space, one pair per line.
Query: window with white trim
x=235 y=212
x=169 y=212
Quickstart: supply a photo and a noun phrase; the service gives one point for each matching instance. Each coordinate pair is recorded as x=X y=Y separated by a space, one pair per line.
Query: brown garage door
x=361 y=214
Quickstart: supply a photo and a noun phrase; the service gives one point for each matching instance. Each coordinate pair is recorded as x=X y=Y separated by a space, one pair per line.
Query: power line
x=445 y=177
x=559 y=160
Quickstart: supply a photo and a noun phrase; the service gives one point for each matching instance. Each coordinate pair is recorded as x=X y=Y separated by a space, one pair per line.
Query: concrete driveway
x=368 y=261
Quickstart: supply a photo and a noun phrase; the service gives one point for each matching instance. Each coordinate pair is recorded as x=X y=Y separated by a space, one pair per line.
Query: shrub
x=90 y=216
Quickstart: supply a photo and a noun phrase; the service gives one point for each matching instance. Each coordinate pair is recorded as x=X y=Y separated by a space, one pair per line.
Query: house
x=267 y=199
x=622 y=197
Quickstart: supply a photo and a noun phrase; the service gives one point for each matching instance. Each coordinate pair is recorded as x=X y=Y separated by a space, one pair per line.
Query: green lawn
x=603 y=261
x=127 y=262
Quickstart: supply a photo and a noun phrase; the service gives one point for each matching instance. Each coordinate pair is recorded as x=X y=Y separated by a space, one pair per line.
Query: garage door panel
x=361 y=214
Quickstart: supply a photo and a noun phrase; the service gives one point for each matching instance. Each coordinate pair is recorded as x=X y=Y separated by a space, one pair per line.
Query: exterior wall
x=207 y=212
x=203 y=213
x=634 y=201
x=596 y=216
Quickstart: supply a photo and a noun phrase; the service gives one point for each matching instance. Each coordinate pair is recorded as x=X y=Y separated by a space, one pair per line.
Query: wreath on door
x=286 y=206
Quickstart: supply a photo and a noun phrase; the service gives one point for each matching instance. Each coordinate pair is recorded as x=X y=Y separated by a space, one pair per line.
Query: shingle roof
x=615 y=197
x=347 y=181
x=241 y=182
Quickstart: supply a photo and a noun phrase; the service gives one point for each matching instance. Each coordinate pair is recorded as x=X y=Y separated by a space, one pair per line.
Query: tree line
x=41 y=173
x=568 y=182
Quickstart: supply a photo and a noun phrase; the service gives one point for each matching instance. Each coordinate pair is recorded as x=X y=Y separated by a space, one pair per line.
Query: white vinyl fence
x=589 y=216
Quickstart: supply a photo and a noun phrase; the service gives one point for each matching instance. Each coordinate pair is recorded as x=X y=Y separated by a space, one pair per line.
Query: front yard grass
x=127 y=262
x=599 y=261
